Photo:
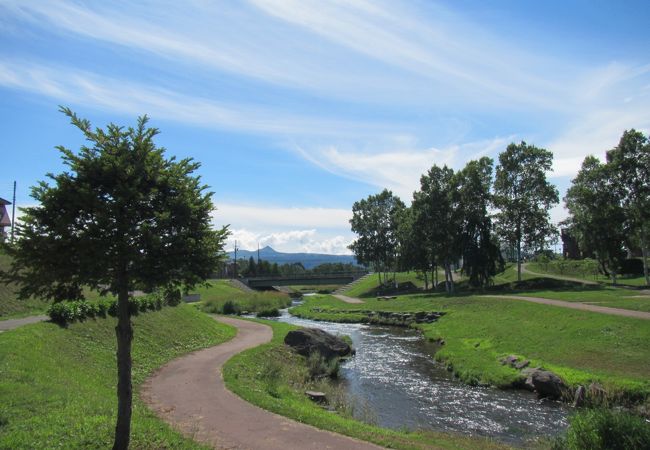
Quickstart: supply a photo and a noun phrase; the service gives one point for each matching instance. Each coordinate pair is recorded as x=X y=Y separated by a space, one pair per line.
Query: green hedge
x=71 y=311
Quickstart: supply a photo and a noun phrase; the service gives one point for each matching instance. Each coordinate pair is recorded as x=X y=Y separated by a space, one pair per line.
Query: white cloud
x=398 y=170
x=267 y=217
x=68 y=85
x=293 y=241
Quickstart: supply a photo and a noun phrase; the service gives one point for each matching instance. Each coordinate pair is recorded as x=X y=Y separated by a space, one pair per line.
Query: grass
x=367 y=287
x=623 y=280
x=579 y=346
x=220 y=294
x=57 y=385
x=274 y=378
x=320 y=288
x=10 y=306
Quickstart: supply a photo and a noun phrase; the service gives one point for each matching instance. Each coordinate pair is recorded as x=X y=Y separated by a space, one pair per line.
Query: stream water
x=394 y=379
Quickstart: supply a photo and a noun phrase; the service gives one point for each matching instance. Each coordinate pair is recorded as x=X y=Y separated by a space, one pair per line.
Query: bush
x=632 y=267
x=321 y=367
x=231 y=307
x=604 y=429
x=78 y=310
x=268 y=312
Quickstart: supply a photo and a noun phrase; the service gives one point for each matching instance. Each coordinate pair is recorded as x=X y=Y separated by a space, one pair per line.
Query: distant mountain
x=308 y=260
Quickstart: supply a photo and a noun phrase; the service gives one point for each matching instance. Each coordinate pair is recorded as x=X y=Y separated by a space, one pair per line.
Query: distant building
x=5 y=221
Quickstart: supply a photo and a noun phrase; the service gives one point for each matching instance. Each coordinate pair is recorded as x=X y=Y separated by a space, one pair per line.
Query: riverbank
x=581 y=347
x=57 y=385
x=273 y=377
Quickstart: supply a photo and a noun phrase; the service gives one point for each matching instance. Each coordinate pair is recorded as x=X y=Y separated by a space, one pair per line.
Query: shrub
x=268 y=312
x=231 y=307
x=321 y=367
x=78 y=310
x=600 y=429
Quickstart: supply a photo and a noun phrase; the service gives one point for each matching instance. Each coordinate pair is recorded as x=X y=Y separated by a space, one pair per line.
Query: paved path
x=580 y=306
x=347 y=299
x=524 y=268
x=189 y=393
x=6 y=325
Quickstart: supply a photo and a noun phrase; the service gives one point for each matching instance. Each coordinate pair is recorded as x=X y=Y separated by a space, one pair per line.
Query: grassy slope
x=57 y=386
x=579 y=346
x=622 y=280
x=10 y=306
x=246 y=374
x=219 y=292
x=367 y=286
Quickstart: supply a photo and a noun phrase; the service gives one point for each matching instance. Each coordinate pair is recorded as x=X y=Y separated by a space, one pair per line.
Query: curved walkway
x=189 y=393
x=10 y=324
x=347 y=299
x=524 y=268
x=580 y=306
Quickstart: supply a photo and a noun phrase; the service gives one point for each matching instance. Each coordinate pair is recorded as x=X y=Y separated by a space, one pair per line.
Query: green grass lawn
x=57 y=385
x=321 y=288
x=580 y=346
x=274 y=378
x=367 y=287
x=10 y=306
x=219 y=292
x=625 y=280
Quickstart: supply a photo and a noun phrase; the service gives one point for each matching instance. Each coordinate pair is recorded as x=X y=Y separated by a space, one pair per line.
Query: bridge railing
x=310 y=276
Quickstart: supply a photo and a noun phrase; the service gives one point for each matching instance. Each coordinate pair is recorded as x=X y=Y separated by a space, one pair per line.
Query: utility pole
x=13 y=214
x=235 y=274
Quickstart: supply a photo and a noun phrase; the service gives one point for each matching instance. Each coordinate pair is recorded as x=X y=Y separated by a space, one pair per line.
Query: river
x=394 y=379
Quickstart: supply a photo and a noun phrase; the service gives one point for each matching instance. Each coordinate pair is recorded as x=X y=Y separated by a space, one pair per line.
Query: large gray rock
x=544 y=382
x=306 y=341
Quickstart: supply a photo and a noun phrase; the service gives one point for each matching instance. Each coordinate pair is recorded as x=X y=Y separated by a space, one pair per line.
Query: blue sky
x=298 y=108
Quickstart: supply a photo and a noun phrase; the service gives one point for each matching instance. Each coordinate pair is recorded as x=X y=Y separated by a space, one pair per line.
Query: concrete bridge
x=302 y=280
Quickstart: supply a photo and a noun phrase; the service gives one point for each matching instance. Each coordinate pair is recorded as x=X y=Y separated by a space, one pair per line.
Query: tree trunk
x=426 y=280
x=519 y=260
x=644 y=251
x=124 y=333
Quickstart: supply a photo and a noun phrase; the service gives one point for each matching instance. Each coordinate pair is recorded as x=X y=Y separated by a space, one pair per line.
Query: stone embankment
x=402 y=319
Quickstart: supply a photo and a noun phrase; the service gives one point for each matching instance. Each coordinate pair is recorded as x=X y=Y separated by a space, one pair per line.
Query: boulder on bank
x=544 y=382
x=306 y=341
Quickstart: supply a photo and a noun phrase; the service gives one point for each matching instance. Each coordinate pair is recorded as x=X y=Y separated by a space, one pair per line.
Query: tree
x=481 y=254
x=630 y=163
x=597 y=220
x=374 y=220
x=524 y=197
x=120 y=217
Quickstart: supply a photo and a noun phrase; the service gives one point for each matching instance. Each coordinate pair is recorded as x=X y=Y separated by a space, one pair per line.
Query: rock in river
x=305 y=341
x=544 y=382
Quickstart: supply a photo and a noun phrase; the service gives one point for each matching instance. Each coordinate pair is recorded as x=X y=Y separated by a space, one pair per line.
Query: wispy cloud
x=241 y=216
x=68 y=85
x=307 y=241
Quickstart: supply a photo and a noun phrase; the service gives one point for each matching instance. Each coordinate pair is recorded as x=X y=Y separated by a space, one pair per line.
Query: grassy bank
x=274 y=378
x=623 y=280
x=57 y=386
x=10 y=306
x=221 y=297
x=579 y=346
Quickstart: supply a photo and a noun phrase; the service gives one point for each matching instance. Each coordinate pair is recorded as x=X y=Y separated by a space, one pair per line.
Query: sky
x=298 y=108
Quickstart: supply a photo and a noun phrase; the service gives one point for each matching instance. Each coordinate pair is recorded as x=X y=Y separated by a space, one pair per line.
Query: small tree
x=121 y=217
x=524 y=197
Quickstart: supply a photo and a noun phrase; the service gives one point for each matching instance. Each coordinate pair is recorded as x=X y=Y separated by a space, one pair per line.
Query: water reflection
x=394 y=375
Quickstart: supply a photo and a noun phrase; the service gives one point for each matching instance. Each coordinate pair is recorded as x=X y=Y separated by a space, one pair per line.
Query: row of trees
x=451 y=218
x=261 y=268
x=609 y=204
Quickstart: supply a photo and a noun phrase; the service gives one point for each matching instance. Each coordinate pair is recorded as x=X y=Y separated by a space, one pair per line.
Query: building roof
x=4 y=202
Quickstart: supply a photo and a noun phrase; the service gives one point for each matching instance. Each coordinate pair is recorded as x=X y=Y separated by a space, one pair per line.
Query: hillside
x=308 y=260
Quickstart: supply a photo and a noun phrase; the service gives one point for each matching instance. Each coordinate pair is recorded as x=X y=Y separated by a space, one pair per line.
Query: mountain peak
x=267 y=250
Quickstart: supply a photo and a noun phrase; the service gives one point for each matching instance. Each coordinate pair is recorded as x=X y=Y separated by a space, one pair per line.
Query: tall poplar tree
x=524 y=197
x=120 y=217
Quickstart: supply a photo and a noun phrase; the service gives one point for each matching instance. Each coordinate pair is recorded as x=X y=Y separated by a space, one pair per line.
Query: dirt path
x=189 y=393
x=580 y=306
x=524 y=268
x=6 y=325
x=347 y=299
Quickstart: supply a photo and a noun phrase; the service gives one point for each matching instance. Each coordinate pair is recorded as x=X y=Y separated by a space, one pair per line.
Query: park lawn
x=57 y=385
x=274 y=378
x=367 y=286
x=601 y=296
x=220 y=292
x=10 y=306
x=625 y=280
x=579 y=346
x=320 y=288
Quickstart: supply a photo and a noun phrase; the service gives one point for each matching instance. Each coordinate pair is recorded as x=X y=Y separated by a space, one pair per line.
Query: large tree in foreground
x=121 y=217
x=524 y=197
